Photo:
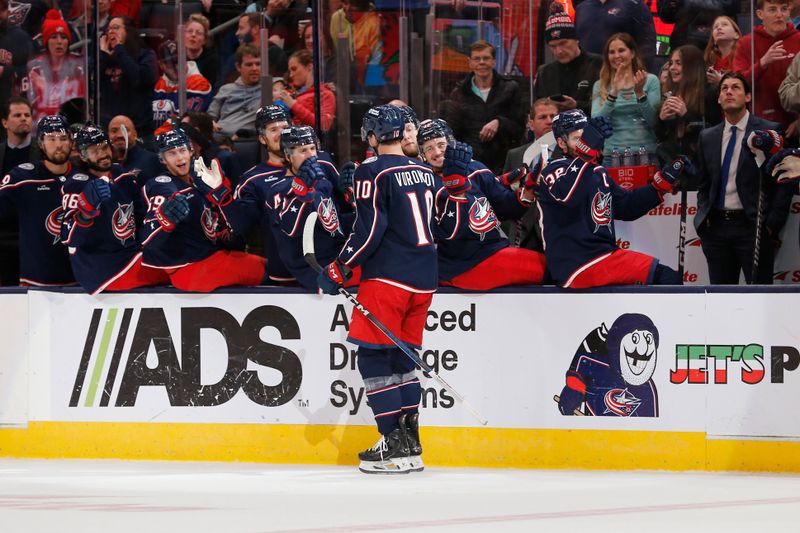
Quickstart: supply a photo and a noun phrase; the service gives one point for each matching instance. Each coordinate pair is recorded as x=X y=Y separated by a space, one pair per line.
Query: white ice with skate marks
x=123 y=497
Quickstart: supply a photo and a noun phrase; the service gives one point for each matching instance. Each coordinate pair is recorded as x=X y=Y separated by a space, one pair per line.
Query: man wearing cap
x=34 y=191
x=55 y=75
x=568 y=79
x=184 y=233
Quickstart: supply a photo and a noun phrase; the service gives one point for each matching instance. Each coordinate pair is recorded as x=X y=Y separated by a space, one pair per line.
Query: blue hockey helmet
x=568 y=121
x=52 y=124
x=294 y=136
x=269 y=114
x=386 y=122
x=172 y=139
x=434 y=128
x=409 y=115
x=89 y=135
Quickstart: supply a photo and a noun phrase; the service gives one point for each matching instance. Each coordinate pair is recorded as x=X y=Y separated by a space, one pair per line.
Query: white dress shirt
x=732 y=200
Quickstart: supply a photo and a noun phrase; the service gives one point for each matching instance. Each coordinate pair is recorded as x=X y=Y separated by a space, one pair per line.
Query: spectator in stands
x=485 y=108
x=597 y=20
x=199 y=47
x=127 y=150
x=725 y=34
x=628 y=96
x=694 y=19
x=165 y=93
x=301 y=76
x=80 y=17
x=789 y=90
x=540 y=122
x=728 y=194
x=199 y=127
x=16 y=48
x=688 y=107
x=128 y=74
x=16 y=149
x=358 y=22
x=249 y=32
x=328 y=64
x=283 y=21
x=571 y=76
x=55 y=75
x=235 y=104
x=776 y=43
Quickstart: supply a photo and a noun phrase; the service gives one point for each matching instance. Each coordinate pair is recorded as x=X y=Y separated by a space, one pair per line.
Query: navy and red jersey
x=391 y=237
x=35 y=193
x=198 y=236
x=330 y=232
x=468 y=229
x=102 y=247
x=257 y=199
x=578 y=203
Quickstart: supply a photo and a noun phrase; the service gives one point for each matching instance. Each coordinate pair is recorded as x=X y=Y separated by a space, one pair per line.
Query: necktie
x=726 y=168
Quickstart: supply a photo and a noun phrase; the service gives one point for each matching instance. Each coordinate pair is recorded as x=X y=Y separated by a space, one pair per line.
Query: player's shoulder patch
x=80 y=177
x=163 y=179
x=369 y=160
x=26 y=166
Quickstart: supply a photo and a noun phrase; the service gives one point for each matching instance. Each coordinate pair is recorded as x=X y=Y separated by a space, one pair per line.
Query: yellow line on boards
x=454 y=447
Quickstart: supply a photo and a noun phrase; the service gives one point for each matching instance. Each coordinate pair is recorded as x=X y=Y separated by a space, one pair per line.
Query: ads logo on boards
x=144 y=351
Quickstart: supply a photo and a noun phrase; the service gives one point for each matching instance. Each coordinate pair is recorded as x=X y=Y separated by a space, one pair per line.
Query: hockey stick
x=759 y=223
x=311 y=259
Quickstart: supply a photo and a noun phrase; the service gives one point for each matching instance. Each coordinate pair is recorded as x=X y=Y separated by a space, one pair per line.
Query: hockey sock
x=383 y=390
x=664 y=275
x=404 y=374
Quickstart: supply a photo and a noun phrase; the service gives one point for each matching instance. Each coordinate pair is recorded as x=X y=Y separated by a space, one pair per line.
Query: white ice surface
x=153 y=497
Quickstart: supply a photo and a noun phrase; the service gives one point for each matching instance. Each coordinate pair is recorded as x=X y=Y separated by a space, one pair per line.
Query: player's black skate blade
x=388 y=456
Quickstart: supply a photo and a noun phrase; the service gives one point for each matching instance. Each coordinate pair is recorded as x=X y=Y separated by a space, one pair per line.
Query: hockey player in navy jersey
x=310 y=191
x=183 y=232
x=579 y=202
x=473 y=251
x=33 y=190
x=103 y=209
x=393 y=244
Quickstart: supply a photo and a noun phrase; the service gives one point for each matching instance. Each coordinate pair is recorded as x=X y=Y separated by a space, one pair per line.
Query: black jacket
x=693 y=19
x=467 y=114
x=574 y=79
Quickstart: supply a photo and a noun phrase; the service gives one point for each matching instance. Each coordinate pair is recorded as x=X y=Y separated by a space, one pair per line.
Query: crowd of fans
x=604 y=60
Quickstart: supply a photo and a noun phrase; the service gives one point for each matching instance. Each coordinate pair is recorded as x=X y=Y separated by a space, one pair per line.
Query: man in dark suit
x=540 y=122
x=727 y=196
x=16 y=149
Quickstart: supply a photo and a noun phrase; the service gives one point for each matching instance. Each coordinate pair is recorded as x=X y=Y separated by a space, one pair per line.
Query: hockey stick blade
x=311 y=259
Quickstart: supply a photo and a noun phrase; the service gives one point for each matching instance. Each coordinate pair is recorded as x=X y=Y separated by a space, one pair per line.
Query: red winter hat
x=53 y=23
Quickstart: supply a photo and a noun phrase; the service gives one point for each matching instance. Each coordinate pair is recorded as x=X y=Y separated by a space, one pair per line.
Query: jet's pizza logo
x=611 y=373
x=124 y=353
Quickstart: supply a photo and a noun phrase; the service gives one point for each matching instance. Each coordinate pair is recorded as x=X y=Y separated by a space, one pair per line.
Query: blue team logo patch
x=123 y=224
x=482 y=219
x=328 y=216
x=601 y=211
x=620 y=402
x=53 y=223
x=611 y=373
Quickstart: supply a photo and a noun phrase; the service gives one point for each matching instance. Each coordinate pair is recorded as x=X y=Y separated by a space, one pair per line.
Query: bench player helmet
x=568 y=121
x=433 y=128
x=294 y=136
x=89 y=135
x=409 y=115
x=52 y=124
x=269 y=114
x=172 y=139
x=386 y=122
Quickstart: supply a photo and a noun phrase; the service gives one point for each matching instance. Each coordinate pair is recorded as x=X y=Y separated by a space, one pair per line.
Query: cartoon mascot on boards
x=612 y=370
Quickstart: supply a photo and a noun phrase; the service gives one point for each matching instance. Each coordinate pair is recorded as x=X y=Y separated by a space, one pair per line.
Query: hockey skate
x=388 y=456
x=411 y=423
